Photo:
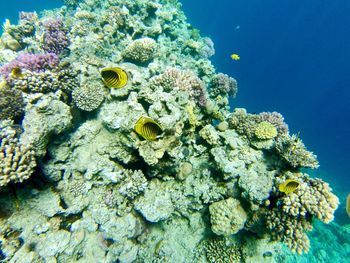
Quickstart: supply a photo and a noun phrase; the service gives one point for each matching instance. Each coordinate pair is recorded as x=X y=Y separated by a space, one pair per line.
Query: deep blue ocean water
x=295 y=59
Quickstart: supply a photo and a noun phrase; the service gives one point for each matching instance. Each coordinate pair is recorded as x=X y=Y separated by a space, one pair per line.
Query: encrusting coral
x=139 y=157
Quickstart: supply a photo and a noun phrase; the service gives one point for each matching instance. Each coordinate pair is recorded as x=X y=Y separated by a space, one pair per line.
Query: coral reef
x=140 y=50
x=11 y=103
x=227 y=217
x=55 y=39
x=17 y=159
x=88 y=96
x=293 y=151
x=137 y=156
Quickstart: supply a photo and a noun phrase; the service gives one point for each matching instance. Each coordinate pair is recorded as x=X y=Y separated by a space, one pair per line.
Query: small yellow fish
x=16 y=72
x=235 y=56
x=289 y=186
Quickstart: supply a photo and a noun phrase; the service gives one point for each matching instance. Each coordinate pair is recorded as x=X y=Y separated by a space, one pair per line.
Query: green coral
x=265 y=131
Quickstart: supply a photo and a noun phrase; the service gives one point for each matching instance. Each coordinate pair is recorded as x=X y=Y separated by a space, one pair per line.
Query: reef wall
x=118 y=145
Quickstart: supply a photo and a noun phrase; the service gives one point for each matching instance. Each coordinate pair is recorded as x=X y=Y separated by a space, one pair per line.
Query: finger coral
x=55 y=39
x=313 y=197
x=17 y=160
x=290 y=230
x=217 y=250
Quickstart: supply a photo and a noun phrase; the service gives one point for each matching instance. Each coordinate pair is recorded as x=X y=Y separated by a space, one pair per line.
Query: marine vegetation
x=120 y=146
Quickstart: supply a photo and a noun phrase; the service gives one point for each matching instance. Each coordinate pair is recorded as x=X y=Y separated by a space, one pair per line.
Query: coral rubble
x=119 y=129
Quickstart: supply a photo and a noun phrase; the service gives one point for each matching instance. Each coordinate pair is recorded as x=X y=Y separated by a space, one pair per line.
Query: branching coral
x=293 y=151
x=17 y=160
x=290 y=230
x=217 y=250
x=291 y=218
x=176 y=79
x=276 y=119
x=312 y=197
x=31 y=62
x=223 y=85
x=55 y=39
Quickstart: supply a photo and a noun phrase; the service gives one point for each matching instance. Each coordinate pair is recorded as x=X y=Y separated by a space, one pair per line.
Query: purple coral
x=27 y=16
x=32 y=62
x=55 y=37
x=276 y=119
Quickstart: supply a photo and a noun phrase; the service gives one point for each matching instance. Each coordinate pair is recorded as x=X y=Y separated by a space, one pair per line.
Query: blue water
x=10 y=9
x=295 y=59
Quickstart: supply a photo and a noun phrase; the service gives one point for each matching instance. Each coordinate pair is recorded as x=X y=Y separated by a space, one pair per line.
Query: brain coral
x=17 y=160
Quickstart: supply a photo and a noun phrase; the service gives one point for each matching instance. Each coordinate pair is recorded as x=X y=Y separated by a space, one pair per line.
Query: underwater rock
x=44 y=119
x=156 y=204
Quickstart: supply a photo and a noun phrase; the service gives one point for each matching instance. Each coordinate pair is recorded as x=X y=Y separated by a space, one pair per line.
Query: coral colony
x=118 y=145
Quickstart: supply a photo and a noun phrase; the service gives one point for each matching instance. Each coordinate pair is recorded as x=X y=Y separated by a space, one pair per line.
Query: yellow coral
x=265 y=131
